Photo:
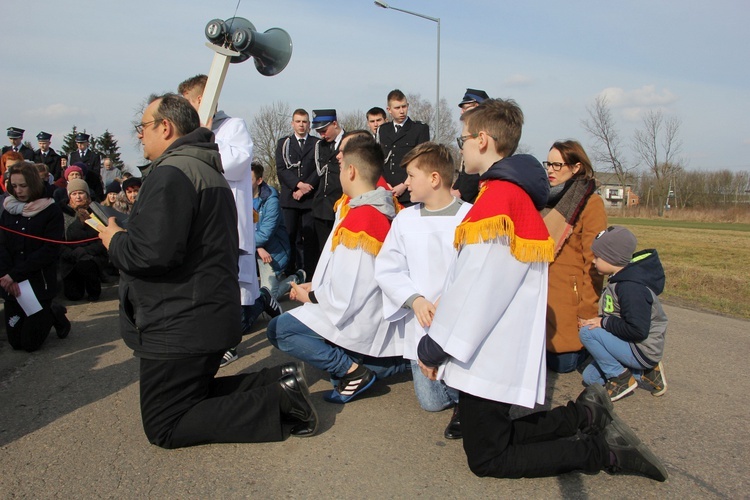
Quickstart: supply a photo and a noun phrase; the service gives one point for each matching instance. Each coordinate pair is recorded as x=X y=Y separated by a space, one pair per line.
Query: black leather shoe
x=453 y=431
x=296 y=369
x=301 y=411
x=61 y=322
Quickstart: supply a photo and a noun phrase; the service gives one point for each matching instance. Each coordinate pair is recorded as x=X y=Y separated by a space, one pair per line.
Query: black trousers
x=300 y=224
x=184 y=404
x=537 y=445
x=323 y=228
x=84 y=278
x=27 y=333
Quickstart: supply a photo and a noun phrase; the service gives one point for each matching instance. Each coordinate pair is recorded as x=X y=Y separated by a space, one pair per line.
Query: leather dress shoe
x=301 y=410
x=453 y=431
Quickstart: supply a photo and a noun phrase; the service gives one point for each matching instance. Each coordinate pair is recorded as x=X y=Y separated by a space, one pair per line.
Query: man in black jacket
x=15 y=136
x=298 y=178
x=93 y=161
x=398 y=138
x=329 y=190
x=180 y=297
x=47 y=155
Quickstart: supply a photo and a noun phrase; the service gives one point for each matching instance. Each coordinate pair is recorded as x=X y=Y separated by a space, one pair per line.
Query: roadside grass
x=705 y=263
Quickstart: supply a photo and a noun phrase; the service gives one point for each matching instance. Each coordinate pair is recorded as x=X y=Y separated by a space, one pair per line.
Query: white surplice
x=415 y=259
x=349 y=312
x=491 y=320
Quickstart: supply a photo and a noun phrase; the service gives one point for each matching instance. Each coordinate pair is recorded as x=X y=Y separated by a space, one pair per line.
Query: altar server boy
x=415 y=258
x=487 y=338
x=340 y=327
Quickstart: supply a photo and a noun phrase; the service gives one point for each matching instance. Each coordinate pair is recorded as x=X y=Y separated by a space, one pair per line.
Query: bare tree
x=353 y=120
x=607 y=149
x=657 y=146
x=270 y=124
x=424 y=111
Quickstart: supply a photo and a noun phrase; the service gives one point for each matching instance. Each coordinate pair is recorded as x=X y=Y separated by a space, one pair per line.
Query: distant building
x=613 y=192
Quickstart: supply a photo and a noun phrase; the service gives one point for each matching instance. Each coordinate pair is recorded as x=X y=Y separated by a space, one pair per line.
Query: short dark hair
x=572 y=153
x=177 y=110
x=376 y=111
x=257 y=169
x=300 y=111
x=501 y=119
x=30 y=175
x=432 y=158
x=365 y=134
x=191 y=83
x=395 y=95
x=366 y=155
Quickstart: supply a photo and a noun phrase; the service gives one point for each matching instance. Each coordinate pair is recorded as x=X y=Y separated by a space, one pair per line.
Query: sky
x=91 y=63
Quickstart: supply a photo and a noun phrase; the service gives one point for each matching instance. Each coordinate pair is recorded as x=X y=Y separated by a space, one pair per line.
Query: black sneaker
x=229 y=357
x=655 y=379
x=599 y=408
x=300 y=276
x=270 y=306
x=351 y=385
x=620 y=386
x=630 y=454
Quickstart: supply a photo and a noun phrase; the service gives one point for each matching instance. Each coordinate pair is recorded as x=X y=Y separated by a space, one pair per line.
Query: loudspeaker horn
x=271 y=51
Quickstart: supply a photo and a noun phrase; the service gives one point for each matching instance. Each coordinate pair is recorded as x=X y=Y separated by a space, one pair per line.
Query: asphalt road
x=70 y=427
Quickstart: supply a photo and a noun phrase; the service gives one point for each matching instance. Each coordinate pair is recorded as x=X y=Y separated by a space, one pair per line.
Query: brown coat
x=574 y=284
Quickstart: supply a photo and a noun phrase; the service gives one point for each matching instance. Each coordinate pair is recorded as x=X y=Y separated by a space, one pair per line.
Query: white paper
x=27 y=300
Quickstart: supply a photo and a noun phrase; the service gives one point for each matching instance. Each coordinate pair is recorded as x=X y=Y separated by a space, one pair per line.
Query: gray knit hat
x=615 y=245
x=78 y=185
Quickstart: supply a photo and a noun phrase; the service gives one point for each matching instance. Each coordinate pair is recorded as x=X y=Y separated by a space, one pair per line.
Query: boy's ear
x=435 y=179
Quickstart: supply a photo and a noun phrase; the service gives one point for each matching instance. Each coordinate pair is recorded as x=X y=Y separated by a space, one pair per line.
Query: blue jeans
x=611 y=356
x=276 y=285
x=290 y=335
x=565 y=362
x=433 y=395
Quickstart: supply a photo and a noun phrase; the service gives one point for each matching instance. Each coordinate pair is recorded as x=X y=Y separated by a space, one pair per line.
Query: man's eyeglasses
x=462 y=139
x=556 y=165
x=140 y=126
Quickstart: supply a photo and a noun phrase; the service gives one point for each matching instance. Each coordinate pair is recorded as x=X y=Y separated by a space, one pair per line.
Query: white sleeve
x=392 y=274
x=235 y=147
x=484 y=280
x=344 y=294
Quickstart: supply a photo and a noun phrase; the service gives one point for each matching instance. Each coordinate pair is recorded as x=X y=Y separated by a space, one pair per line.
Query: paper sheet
x=27 y=300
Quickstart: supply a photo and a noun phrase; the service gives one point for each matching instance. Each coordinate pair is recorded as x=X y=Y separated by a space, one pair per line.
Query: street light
x=434 y=20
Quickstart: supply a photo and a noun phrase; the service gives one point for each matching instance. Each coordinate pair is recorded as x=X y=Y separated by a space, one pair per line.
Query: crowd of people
x=476 y=280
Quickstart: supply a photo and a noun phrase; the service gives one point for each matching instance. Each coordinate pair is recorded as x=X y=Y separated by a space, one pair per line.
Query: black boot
x=60 y=321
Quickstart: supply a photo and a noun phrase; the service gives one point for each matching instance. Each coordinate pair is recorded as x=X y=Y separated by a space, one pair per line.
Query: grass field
x=706 y=263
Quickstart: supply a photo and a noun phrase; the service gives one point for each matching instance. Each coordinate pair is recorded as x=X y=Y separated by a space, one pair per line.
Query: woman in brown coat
x=574 y=216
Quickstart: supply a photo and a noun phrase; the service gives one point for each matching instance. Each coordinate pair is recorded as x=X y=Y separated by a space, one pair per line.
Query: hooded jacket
x=631 y=310
x=179 y=291
x=270 y=232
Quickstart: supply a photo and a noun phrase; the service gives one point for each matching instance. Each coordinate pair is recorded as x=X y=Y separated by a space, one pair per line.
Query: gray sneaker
x=631 y=455
x=600 y=408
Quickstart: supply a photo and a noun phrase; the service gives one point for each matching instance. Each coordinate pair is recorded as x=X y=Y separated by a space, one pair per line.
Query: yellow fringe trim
x=501 y=225
x=354 y=241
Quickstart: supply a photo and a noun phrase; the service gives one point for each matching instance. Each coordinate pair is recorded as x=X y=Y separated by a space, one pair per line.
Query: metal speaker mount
x=271 y=51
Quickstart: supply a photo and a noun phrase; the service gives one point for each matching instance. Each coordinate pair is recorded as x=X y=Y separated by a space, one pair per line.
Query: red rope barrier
x=47 y=239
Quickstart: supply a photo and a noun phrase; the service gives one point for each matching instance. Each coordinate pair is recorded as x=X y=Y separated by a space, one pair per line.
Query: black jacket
x=78 y=231
x=28 y=258
x=179 y=289
x=295 y=164
x=26 y=152
x=395 y=146
x=52 y=160
x=329 y=188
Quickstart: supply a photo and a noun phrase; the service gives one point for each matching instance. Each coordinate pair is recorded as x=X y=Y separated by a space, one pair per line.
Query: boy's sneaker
x=300 y=276
x=351 y=385
x=630 y=454
x=270 y=306
x=655 y=380
x=229 y=357
x=620 y=386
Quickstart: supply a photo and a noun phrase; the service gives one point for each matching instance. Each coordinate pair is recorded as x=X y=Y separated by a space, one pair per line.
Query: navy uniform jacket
x=329 y=187
x=395 y=146
x=294 y=164
x=27 y=152
x=92 y=177
x=52 y=160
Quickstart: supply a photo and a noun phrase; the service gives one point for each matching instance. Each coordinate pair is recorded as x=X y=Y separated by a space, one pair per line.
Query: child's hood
x=644 y=268
x=378 y=198
x=526 y=172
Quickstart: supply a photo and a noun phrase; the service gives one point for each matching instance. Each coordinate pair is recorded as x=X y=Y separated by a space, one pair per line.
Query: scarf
x=27 y=209
x=563 y=210
x=366 y=223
